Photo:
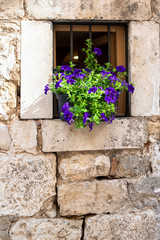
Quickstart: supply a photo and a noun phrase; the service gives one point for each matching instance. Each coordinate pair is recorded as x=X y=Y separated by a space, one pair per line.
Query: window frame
x=90 y=23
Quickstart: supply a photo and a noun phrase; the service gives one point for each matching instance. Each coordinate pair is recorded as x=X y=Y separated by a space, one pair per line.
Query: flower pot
x=62 y=99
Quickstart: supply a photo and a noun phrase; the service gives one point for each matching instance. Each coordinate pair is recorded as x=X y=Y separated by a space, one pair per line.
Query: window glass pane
x=80 y=34
x=62 y=45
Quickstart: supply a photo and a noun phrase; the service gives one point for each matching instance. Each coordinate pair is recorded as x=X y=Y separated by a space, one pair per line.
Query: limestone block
x=83 y=166
x=144 y=193
x=131 y=164
x=122 y=133
x=155 y=159
x=156 y=9
x=109 y=196
x=4 y=137
x=144 y=226
x=36 y=69
x=145 y=68
x=24 y=136
x=9 y=51
x=5 y=223
x=7 y=100
x=47 y=229
x=11 y=9
x=109 y=10
x=26 y=182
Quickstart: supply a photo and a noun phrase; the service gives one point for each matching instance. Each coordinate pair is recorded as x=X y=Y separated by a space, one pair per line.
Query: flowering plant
x=92 y=92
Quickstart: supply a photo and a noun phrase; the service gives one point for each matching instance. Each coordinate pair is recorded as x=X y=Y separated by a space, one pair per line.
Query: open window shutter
x=36 y=69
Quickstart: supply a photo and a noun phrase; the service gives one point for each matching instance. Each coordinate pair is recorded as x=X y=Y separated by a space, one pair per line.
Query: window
x=69 y=39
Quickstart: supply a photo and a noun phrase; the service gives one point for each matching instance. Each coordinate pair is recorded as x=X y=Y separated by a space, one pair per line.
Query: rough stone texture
x=145 y=193
x=145 y=77
x=141 y=226
x=156 y=9
x=4 y=137
x=154 y=155
x=123 y=133
x=7 y=100
x=5 y=223
x=48 y=209
x=26 y=182
x=83 y=166
x=81 y=9
x=9 y=50
x=131 y=164
x=47 y=229
x=93 y=197
x=36 y=69
x=24 y=136
x=11 y=9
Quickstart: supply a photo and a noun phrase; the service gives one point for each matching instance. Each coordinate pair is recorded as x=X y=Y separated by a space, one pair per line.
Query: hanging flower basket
x=90 y=94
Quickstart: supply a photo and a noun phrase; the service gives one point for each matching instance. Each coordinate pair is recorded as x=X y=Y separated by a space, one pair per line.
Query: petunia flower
x=97 y=51
x=46 y=89
x=92 y=89
x=85 y=117
x=120 y=68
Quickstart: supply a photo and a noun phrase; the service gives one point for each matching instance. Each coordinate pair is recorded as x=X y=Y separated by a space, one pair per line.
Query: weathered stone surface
x=145 y=100
x=83 y=166
x=9 y=50
x=24 y=136
x=11 y=9
x=144 y=193
x=7 y=100
x=110 y=10
x=144 y=226
x=131 y=164
x=5 y=223
x=122 y=133
x=93 y=197
x=47 y=229
x=26 y=182
x=4 y=137
x=154 y=155
x=36 y=69
x=156 y=9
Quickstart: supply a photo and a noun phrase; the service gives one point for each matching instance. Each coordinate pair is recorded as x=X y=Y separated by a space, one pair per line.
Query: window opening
x=69 y=39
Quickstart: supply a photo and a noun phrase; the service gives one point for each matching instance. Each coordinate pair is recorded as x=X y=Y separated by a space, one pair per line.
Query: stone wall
x=61 y=183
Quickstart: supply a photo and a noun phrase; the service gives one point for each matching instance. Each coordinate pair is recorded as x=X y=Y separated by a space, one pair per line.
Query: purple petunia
x=46 y=88
x=90 y=126
x=58 y=84
x=124 y=83
x=104 y=73
x=111 y=95
x=85 y=117
x=92 y=89
x=101 y=88
x=130 y=88
x=80 y=75
x=65 y=68
x=68 y=115
x=120 y=68
x=103 y=116
x=70 y=79
x=97 y=51
x=76 y=71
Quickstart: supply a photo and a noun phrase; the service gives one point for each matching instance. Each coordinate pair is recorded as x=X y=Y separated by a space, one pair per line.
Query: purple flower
x=65 y=107
x=112 y=79
x=111 y=95
x=124 y=83
x=58 y=84
x=65 y=68
x=120 y=68
x=70 y=79
x=76 y=71
x=92 y=89
x=130 y=88
x=104 y=73
x=97 y=51
x=68 y=115
x=88 y=70
x=85 y=117
x=101 y=88
x=46 y=89
x=103 y=116
x=90 y=126
x=80 y=75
